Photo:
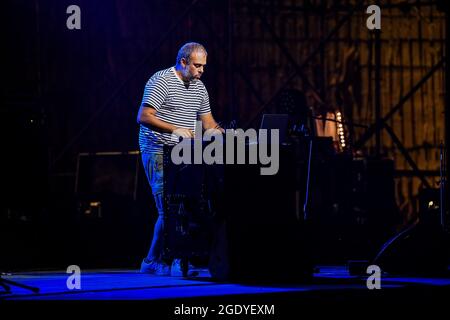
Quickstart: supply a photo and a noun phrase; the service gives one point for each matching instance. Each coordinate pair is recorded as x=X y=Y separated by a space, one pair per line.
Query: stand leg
x=4 y=283
x=5 y=287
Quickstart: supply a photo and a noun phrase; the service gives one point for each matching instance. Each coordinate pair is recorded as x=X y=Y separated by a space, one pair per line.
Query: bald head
x=188 y=49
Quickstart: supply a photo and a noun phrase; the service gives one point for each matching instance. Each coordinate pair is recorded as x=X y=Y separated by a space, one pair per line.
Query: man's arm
x=147 y=117
x=208 y=122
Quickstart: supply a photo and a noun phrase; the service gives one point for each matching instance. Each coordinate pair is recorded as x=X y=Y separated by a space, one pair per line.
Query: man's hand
x=183 y=132
x=208 y=122
x=214 y=131
x=219 y=129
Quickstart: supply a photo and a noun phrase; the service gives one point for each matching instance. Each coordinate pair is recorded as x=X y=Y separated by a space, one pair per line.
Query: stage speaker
x=260 y=253
x=258 y=235
x=102 y=174
x=110 y=209
x=420 y=249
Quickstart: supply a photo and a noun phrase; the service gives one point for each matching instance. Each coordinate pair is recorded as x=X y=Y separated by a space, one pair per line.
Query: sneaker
x=155 y=267
x=175 y=269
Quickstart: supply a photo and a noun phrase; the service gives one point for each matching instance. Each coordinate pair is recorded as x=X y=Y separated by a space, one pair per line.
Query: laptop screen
x=275 y=121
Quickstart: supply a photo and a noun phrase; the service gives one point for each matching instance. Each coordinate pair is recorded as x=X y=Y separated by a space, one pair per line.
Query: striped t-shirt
x=174 y=103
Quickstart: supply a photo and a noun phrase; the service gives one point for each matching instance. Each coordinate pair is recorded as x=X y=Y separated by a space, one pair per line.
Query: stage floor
x=330 y=286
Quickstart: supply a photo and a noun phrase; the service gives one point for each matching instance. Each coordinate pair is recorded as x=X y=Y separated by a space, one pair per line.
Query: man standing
x=173 y=100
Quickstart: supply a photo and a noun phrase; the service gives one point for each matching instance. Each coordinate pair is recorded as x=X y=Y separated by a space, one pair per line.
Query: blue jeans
x=153 y=166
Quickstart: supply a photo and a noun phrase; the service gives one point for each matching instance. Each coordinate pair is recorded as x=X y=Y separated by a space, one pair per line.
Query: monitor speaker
x=420 y=249
x=258 y=236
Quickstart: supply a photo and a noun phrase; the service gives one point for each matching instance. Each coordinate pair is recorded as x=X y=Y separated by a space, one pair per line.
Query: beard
x=194 y=78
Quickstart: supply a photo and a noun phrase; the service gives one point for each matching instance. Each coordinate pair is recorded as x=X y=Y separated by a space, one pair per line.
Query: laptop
x=275 y=121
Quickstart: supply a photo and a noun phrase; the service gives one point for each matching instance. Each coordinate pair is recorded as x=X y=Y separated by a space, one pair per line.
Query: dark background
x=67 y=92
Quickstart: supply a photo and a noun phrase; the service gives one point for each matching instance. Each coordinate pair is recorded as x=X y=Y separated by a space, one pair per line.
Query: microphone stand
x=308 y=176
x=309 y=134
